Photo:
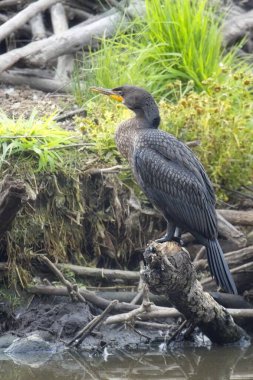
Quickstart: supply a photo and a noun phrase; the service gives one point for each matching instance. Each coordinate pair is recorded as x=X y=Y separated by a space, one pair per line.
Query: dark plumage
x=171 y=176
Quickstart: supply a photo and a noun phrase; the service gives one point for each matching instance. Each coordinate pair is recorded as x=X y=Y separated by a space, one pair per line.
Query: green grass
x=38 y=138
x=177 y=40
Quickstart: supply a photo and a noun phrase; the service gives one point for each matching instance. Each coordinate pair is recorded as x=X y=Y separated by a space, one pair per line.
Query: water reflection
x=227 y=363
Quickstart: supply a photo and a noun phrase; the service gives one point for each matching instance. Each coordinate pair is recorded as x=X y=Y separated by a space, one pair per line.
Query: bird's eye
x=120 y=93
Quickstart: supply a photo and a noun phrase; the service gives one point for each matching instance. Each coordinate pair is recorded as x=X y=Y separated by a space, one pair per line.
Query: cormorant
x=171 y=176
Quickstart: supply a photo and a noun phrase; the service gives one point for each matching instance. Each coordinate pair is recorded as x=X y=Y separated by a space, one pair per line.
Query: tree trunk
x=170 y=272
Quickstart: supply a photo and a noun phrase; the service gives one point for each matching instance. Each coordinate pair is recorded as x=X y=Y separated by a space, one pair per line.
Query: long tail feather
x=219 y=267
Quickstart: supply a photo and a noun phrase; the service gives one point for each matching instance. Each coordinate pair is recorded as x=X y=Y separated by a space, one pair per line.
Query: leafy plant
x=222 y=121
x=40 y=139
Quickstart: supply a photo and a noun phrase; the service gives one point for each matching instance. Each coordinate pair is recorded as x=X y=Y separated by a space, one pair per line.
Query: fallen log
x=243 y=276
x=101 y=273
x=233 y=258
x=240 y=257
x=89 y=296
x=170 y=272
x=44 y=84
x=37 y=27
x=22 y=17
x=228 y=231
x=242 y=218
x=9 y=3
x=65 y=63
x=13 y=194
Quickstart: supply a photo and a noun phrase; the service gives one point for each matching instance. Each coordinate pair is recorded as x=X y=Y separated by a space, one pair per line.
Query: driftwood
x=37 y=27
x=70 y=41
x=170 y=272
x=13 y=194
x=89 y=296
x=233 y=258
x=239 y=257
x=228 y=231
x=44 y=84
x=100 y=273
x=242 y=218
x=237 y=27
x=83 y=333
x=59 y=21
x=72 y=289
x=22 y=17
x=242 y=274
x=89 y=21
x=123 y=307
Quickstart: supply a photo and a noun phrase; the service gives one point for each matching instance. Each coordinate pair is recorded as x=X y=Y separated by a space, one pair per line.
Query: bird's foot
x=168 y=237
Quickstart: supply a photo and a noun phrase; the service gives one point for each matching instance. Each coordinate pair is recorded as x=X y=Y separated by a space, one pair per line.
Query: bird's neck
x=128 y=132
x=126 y=135
x=148 y=117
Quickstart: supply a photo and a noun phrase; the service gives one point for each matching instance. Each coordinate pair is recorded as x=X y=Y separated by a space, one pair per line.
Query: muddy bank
x=49 y=323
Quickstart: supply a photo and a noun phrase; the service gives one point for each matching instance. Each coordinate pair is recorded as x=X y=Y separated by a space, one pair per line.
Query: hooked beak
x=105 y=91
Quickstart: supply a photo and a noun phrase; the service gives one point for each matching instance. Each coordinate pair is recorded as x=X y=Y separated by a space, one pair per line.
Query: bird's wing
x=176 y=151
x=172 y=185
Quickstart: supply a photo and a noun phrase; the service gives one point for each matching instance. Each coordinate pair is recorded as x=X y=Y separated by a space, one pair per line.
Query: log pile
x=48 y=34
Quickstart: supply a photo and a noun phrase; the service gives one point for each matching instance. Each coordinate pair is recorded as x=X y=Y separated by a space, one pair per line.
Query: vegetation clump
x=176 y=40
x=37 y=138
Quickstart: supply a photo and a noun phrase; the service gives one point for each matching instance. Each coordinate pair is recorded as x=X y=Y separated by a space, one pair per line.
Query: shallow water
x=217 y=363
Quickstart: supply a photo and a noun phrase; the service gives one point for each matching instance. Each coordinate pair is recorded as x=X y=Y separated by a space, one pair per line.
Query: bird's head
x=136 y=99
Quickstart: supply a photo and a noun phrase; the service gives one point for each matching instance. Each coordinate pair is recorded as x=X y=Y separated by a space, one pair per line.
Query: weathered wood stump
x=170 y=272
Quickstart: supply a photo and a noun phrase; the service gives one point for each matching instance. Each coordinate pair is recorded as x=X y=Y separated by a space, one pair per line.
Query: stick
x=240 y=256
x=140 y=289
x=177 y=332
x=70 y=114
x=72 y=289
x=84 y=332
x=144 y=313
x=107 y=274
x=22 y=17
x=153 y=325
